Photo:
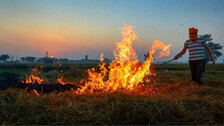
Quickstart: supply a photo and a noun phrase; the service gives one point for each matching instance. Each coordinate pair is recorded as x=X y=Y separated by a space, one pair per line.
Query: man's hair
x=193 y=30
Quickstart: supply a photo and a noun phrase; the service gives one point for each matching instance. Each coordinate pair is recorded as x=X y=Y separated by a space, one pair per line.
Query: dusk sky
x=74 y=28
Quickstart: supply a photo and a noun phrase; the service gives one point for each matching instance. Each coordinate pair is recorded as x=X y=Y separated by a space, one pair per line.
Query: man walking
x=196 y=48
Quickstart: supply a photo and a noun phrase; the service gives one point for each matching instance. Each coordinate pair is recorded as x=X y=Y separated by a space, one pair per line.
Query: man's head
x=193 y=33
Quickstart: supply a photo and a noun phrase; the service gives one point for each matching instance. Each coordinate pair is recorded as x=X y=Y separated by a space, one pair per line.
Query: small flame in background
x=35 y=91
x=125 y=72
x=33 y=77
x=63 y=82
x=60 y=80
x=61 y=77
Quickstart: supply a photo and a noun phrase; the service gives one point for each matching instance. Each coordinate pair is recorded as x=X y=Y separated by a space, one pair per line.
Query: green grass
x=176 y=101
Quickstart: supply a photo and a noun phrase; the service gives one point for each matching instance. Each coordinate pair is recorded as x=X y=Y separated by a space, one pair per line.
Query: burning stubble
x=124 y=73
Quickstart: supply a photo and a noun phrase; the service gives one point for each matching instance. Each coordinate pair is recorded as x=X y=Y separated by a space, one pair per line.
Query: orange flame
x=101 y=57
x=125 y=71
x=60 y=80
x=33 y=77
x=35 y=91
x=164 y=49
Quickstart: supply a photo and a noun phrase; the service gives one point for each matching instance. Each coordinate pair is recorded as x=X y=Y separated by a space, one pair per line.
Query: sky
x=75 y=28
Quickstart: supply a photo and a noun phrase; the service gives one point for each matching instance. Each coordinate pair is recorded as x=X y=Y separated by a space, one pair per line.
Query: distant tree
x=22 y=59
x=41 y=59
x=28 y=59
x=48 y=60
x=214 y=47
x=4 y=57
x=63 y=60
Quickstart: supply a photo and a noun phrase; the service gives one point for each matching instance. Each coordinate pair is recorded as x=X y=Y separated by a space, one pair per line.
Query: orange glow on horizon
x=56 y=39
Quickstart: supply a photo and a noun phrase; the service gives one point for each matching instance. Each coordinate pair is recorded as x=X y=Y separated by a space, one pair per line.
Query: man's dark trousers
x=197 y=70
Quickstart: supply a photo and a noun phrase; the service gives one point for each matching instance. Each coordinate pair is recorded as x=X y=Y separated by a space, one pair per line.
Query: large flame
x=125 y=72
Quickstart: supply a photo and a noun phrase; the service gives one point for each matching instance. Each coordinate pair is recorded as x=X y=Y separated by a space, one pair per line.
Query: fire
x=35 y=91
x=61 y=77
x=125 y=72
x=52 y=57
x=60 y=80
x=33 y=77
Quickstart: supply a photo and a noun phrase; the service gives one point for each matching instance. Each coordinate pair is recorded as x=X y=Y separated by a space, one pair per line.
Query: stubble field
x=175 y=99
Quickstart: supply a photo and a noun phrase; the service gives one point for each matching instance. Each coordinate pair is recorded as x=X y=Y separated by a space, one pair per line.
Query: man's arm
x=181 y=53
x=209 y=53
